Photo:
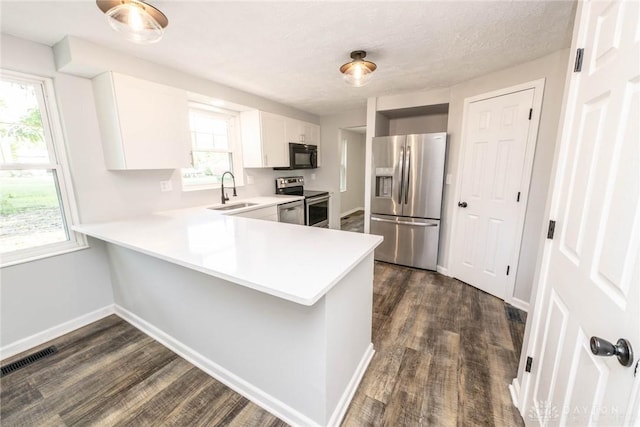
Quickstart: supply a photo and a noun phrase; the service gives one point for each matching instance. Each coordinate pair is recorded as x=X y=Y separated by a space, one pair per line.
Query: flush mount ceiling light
x=138 y=21
x=358 y=72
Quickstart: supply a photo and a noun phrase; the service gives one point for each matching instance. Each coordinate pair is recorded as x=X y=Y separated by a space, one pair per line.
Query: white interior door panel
x=497 y=130
x=590 y=277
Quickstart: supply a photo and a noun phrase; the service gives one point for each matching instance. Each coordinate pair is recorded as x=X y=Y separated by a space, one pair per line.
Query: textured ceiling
x=291 y=51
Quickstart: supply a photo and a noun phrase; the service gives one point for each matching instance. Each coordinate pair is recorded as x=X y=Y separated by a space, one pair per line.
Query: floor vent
x=26 y=361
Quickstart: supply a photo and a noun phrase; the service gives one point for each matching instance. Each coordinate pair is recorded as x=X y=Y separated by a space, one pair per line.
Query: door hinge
x=508 y=267
x=518 y=198
x=529 y=363
x=578 y=65
x=530 y=113
x=551 y=230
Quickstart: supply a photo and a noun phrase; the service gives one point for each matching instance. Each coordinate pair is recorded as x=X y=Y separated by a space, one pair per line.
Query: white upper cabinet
x=302 y=132
x=263 y=140
x=144 y=125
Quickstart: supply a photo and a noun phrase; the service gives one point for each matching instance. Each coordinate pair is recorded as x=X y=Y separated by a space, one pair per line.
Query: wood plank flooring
x=353 y=222
x=445 y=353
x=111 y=374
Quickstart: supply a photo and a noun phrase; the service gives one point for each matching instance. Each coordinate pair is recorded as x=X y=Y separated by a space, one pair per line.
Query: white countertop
x=293 y=262
x=260 y=202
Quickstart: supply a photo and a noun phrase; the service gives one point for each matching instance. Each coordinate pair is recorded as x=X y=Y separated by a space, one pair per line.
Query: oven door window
x=318 y=213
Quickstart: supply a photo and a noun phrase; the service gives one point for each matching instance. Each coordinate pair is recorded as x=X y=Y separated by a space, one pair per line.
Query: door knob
x=621 y=349
x=462 y=204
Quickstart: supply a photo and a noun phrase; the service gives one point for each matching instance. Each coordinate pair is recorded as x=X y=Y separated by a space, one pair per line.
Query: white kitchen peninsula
x=279 y=312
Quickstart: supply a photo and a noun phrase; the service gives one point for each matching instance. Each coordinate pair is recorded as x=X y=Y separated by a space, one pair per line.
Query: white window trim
x=57 y=151
x=344 y=153
x=238 y=166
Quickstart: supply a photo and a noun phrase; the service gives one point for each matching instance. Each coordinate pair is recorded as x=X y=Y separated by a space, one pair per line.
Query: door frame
x=538 y=91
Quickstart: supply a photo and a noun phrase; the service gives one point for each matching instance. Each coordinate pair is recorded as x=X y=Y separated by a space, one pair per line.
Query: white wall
x=353 y=198
x=551 y=67
x=43 y=294
x=418 y=124
x=328 y=176
x=101 y=195
x=105 y=195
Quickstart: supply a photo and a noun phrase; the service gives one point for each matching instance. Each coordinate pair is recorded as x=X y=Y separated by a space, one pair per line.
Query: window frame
x=235 y=146
x=58 y=164
x=343 y=165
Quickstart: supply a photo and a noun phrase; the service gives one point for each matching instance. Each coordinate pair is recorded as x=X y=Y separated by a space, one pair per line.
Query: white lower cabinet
x=268 y=214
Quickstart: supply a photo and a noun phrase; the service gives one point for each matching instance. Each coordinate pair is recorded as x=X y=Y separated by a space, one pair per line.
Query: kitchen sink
x=232 y=207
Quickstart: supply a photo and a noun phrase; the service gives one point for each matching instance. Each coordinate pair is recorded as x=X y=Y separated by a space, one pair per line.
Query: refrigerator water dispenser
x=384 y=182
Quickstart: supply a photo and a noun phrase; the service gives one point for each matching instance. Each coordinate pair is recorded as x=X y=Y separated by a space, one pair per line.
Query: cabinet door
x=302 y=132
x=310 y=133
x=293 y=130
x=154 y=124
x=274 y=144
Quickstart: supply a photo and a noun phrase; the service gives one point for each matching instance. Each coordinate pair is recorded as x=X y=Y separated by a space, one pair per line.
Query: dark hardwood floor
x=353 y=222
x=445 y=354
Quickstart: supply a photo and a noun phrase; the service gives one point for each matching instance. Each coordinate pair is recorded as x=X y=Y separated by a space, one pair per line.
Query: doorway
x=499 y=138
x=352 y=178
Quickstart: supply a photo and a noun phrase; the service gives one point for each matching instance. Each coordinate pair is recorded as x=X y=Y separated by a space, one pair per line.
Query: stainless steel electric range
x=316 y=202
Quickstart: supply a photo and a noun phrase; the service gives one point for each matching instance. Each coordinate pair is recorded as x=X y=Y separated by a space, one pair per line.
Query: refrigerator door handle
x=416 y=224
x=407 y=168
x=401 y=167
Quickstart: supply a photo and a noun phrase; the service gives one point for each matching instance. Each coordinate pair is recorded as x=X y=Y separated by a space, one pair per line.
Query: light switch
x=448 y=179
x=250 y=179
x=313 y=176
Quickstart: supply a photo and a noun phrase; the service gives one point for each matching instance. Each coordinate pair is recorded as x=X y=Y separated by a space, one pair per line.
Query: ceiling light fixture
x=358 y=72
x=138 y=21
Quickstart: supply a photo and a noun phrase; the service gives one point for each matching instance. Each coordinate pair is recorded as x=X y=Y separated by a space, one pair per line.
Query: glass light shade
x=133 y=21
x=358 y=73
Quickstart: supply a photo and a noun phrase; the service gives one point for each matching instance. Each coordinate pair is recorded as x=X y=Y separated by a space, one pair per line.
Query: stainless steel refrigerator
x=406 y=197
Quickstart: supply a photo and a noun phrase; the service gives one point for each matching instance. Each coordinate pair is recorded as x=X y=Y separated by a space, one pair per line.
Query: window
x=35 y=206
x=343 y=166
x=214 y=148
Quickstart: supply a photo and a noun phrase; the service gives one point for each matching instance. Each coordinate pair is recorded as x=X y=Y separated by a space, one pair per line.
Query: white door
x=487 y=236
x=590 y=275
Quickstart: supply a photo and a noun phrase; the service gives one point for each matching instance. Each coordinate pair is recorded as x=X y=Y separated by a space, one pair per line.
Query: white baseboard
x=518 y=303
x=443 y=270
x=256 y=395
x=54 y=332
x=514 y=390
x=345 y=400
x=349 y=212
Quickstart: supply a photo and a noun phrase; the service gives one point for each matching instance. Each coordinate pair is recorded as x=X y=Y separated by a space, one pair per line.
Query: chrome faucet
x=223 y=197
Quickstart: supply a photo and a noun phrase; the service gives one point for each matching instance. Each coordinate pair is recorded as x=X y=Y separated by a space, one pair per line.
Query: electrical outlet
x=250 y=180
x=165 y=186
x=313 y=176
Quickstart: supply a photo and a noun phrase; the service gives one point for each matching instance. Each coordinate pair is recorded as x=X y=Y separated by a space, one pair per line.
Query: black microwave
x=302 y=156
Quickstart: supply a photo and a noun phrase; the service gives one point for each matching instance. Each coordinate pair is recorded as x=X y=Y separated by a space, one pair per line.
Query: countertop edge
x=233 y=279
